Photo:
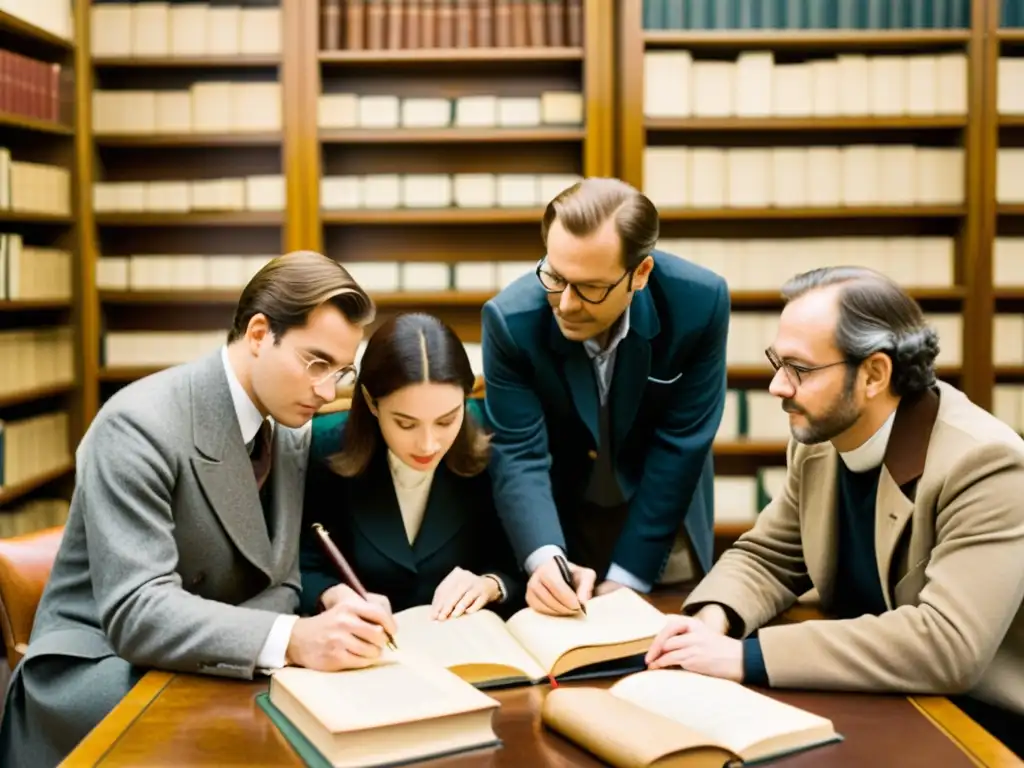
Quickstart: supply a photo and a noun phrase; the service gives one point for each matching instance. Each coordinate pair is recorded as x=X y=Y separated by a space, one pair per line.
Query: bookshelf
x=41 y=243
x=804 y=141
x=196 y=180
x=465 y=112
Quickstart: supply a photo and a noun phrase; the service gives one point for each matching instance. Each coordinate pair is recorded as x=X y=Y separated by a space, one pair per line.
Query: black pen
x=567 y=575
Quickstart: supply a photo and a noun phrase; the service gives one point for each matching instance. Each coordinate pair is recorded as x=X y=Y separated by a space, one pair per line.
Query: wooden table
x=188 y=720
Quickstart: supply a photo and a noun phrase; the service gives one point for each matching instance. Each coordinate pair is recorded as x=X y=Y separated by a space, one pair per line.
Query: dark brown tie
x=262 y=454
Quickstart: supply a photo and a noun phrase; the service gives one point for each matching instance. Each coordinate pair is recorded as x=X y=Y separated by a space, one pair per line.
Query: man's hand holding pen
x=560 y=589
x=348 y=634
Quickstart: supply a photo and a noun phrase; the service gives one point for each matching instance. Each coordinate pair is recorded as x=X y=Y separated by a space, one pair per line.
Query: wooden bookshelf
x=964 y=222
x=450 y=233
x=51 y=141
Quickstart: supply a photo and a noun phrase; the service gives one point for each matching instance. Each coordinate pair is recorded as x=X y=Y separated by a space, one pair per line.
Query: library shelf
x=732 y=530
x=1011 y=121
x=186 y=62
x=824 y=212
x=454 y=135
x=773 y=298
x=192 y=219
x=34 y=394
x=1011 y=35
x=12 y=26
x=842 y=123
x=250 y=139
x=34 y=125
x=30 y=217
x=33 y=305
x=749 y=447
x=1008 y=293
x=400 y=57
x=123 y=374
x=1011 y=372
x=433 y=216
x=805 y=39
x=396 y=299
x=1010 y=209
x=9 y=493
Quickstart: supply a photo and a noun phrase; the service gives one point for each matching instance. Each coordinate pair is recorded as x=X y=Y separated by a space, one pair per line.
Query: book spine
x=483 y=24
x=355 y=16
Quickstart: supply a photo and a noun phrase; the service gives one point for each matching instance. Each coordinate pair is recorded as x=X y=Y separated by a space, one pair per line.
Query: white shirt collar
x=405 y=476
x=872 y=452
x=249 y=418
x=621 y=328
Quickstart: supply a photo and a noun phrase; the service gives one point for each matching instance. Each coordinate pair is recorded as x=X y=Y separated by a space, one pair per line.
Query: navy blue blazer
x=666 y=401
x=459 y=528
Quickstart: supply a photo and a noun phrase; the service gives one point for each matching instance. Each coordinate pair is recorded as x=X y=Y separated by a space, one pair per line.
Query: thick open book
x=676 y=719
x=486 y=651
x=399 y=710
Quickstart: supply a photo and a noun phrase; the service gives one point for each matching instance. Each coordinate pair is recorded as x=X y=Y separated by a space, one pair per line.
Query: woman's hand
x=462 y=592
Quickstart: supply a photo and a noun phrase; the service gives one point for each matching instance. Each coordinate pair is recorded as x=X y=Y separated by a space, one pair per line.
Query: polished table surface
x=189 y=720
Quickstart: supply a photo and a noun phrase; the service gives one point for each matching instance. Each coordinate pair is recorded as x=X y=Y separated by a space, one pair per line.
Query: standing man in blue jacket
x=605 y=376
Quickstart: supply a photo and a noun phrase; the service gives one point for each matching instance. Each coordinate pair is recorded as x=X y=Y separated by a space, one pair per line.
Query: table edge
x=979 y=745
x=983 y=749
x=94 y=747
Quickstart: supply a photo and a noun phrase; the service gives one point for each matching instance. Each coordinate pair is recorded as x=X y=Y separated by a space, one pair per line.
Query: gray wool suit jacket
x=166 y=560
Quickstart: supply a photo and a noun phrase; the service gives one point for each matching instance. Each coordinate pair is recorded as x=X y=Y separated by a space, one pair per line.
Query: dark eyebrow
x=413 y=418
x=320 y=354
x=553 y=273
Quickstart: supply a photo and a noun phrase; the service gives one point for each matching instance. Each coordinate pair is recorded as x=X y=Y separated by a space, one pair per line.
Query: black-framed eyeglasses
x=794 y=372
x=591 y=294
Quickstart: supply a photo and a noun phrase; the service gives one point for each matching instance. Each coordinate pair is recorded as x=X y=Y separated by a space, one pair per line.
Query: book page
x=619 y=617
x=473 y=640
x=725 y=712
x=395 y=690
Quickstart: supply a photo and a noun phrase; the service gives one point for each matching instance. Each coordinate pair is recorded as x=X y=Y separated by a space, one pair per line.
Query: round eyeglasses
x=591 y=294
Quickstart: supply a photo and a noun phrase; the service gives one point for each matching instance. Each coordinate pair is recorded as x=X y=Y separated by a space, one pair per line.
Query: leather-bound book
x=535 y=13
x=412 y=24
x=483 y=24
x=395 y=24
x=446 y=24
x=520 y=37
x=355 y=25
x=428 y=23
x=330 y=25
x=574 y=23
x=556 y=22
x=463 y=24
x=503 y=23
x=376 y=17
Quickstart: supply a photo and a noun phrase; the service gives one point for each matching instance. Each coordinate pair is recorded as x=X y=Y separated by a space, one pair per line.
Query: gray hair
x=876 y=315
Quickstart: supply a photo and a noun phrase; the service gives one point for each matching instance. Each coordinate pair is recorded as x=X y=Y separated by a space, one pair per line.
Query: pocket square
x=674 y=379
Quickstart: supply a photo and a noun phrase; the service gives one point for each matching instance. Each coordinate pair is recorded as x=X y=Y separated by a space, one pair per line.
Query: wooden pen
x=346 y=571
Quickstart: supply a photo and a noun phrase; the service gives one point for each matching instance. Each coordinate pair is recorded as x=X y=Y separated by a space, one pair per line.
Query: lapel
x=223 y=467
x=445 y=515
x=818 y=496
x=904 y=461
x=629 y=377
x=374 y=508
x=287 y=478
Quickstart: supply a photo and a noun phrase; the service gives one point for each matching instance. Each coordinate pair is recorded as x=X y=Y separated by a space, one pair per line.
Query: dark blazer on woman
x=460 y=528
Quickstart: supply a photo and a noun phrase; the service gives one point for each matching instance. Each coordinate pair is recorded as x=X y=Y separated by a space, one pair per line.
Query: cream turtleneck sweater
x=412 y=487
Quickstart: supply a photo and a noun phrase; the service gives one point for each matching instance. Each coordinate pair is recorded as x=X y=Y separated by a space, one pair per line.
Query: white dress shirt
x=872 y=452
x=412 y=487
x=603 y=359
x=272 y=655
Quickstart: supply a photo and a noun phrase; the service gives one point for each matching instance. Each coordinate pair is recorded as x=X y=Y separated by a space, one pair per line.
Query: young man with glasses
x=902 y=508
x=605 y=379
x=181 y=548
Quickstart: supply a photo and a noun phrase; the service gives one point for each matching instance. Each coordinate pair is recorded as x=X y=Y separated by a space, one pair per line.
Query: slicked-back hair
x=876 y=315
x=407 y=349
x=585 y=206
x=287 y=289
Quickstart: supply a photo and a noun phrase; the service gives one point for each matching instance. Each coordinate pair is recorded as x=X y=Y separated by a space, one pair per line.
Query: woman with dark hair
x=400 y=483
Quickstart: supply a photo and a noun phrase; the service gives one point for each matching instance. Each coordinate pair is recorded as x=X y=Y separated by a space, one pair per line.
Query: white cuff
x=622 y=576
x=541 y=555
x=272 y=656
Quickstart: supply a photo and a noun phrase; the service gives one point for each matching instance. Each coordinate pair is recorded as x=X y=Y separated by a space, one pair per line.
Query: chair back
x=25 y=564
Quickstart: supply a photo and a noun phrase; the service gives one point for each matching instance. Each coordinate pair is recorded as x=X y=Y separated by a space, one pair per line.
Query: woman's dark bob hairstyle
x=413 y=348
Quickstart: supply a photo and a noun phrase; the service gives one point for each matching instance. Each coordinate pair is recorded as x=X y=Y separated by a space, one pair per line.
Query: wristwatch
x=502 y=594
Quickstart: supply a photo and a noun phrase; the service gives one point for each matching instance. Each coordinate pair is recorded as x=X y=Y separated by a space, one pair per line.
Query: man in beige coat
x=903 y=506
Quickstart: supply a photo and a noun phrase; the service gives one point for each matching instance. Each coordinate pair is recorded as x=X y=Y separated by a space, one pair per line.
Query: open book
x=486 y=651
x=675 y=719
x=398 y=710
